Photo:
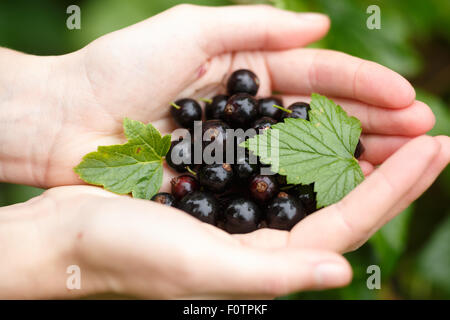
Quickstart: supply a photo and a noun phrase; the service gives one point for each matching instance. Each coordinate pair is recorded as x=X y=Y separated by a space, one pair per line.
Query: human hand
x=137 y=71
x=139 y=248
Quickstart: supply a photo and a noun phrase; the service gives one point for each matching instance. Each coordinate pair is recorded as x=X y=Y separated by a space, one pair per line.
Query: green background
x=413 y=250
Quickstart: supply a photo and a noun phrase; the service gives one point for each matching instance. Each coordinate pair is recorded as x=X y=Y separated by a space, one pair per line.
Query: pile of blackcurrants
x=235 y=196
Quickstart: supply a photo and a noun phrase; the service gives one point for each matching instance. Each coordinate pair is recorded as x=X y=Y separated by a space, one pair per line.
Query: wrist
x=31 y=113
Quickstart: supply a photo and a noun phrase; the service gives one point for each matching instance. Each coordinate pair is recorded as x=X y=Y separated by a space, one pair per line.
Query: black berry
x=241 y=216
x=201 y=205
x=183 y=185
x=266 y=108
x=185 y=112
x=282 y=180
x=180 y=154
x=215 y=177
x=262 y=124
x=243 y=168
x=284 y=212
x=243 y=81
x=263 y=187
x=307 y=196
x=359 y=149
x=241 y=110
x=215 y=109
x=298 y=110
x=164 y=198
x=214 y=130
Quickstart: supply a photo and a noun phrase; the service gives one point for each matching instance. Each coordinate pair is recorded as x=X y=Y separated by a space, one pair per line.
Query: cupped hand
x=140 y=248
x=188 y=51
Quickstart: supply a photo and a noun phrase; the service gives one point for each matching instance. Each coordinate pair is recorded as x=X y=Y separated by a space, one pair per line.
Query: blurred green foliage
x=413 y=250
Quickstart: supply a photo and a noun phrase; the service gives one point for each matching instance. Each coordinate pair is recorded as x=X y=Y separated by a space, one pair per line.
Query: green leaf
x=319 y=150
x=135 y=166
x=148 y=136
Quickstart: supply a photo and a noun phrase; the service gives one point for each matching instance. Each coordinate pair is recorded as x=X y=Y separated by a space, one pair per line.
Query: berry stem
x=282 y=108
x=290 y=186
x=173 y=104
x=191 y=171
x=206 y=100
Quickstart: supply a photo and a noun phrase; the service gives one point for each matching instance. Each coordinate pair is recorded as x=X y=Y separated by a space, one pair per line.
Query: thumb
x=252 y=27
x=245 y=271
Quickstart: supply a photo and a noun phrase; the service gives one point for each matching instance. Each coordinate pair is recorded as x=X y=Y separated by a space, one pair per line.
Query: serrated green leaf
x=148 y=136
x=134 y=167
x=319 y=150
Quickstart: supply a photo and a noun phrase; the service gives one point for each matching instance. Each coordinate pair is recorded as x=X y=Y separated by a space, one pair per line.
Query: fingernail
x=312 y=16
x=330 y=274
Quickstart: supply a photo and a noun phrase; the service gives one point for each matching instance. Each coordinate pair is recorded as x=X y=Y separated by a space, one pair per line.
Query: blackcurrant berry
x=263 y=187
x=215 y=177
x=359 y=149
x=241 y=110
x=215 y=109
x=307 y=196
x=284 y=212
x=266 y=108
x=183 y=185
x=185 y=112
x=165 y=198
x=180 y=155
x=201 y=205
x=243 y=169
x=241 y=216
x=243 y=81
x=215 y=131
x=298 y=110
x=225 y=198
x=262 y=124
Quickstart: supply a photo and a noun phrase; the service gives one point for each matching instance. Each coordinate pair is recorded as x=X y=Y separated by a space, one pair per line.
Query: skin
x=53 y=110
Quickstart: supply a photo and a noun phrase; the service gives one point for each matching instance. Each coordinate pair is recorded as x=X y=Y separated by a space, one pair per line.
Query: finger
x=432 y=172
x=378 y=148
x=347 y=224
x=416 y=119
x=303 y=71
x=244 y=28
x=248 y=271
